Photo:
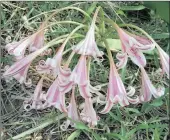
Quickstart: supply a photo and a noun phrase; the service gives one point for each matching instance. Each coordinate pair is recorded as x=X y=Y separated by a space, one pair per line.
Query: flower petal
x=122 y=57
x=72 y=108
x=165 y=61
x=108 y=107
x=88 y=114
x=88 y=46
x=148 y=89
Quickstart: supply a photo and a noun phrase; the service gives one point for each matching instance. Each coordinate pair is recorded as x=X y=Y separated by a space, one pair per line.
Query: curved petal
x=88 y=114
x=165 y=61
x=84 y=91
x=79 y=74
x=72 y=108
x=88 y=46
x=148 y=89
x=137 y=57
x=122 y=57
x=21 y=75
x=107 y=108
x=36 y=101
x=38 y=39
x=142 y=44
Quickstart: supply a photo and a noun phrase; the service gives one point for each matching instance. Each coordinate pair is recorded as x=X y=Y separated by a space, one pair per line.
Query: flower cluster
x=67 y=80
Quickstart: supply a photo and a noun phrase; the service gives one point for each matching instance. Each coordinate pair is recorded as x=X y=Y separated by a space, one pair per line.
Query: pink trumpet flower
x=80 y=77
x=164 y=61
x=56 y=93
x=34 y=42
x=20 y=68
x=51 y=65
x=88 y=46
x=116 y=92
x=132 y=46
x=72 y=109
x=37 y=101
x=148 y=89
x=88 y=114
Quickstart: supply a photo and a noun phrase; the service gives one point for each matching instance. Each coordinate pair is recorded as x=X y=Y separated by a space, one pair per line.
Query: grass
x=147 y=121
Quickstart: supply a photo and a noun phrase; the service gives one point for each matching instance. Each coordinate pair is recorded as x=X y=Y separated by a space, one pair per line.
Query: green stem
x=108 y=51
x=55 y=12
x=69 y=59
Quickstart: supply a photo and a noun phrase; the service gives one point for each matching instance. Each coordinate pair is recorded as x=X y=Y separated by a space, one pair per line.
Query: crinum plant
x=67 y=80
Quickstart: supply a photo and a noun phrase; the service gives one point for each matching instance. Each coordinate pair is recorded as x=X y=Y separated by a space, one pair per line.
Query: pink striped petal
x=122 y=57
x=88 y=114
x=34 y=42
x=55 y=97
x=37 y=101
x=116 y=93
x=165 y=61
x=72 y=108
x=18 y=48
x=134 y=46
x=79 y=76
x=108 y=107
x=148 y=89
x=88 y=46
x=20 y=65
x=37 y=40
x=21 y=75
x=51 y=65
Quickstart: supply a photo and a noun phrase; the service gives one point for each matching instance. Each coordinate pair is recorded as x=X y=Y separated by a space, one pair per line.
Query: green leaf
x=132 y=8
x=160 y=7
x=120 y=12
x=156 y=134
x=74 y=135
x=91 y=8
x=114 y=44
x=115 y=117
x=146 y=107
x=133 y=110
x=114 y=135
x=157 y=102
x=96 y=136
x=123 y=130
x=81 y=126
x=160 y=36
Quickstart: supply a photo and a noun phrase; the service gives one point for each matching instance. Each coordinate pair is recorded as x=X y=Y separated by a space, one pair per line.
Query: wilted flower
x=88 y=46
x=34 y=42
x=116 y=92
x=133 y=46
x=51 y=65
x=80 y=77
x=88 y=114
x=164 y=61
x=147 y=88
x=37 y=101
